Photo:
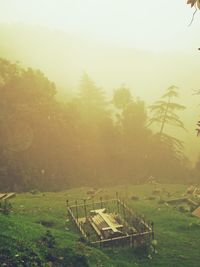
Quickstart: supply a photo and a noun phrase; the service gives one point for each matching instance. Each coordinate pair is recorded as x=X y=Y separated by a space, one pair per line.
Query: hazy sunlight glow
x=151 y=25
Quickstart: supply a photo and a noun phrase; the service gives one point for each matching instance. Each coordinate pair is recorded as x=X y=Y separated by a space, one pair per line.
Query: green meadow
x=24 y=230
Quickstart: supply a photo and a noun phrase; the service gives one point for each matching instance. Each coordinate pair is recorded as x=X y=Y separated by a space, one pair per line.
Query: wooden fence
x=145 y=231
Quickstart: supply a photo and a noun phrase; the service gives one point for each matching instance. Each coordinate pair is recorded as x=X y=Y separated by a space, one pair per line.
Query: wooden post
x=117 y=197
x=85 y=208
x=76 y=210
x=67 y=201
x=152 y=227
x=124 y=210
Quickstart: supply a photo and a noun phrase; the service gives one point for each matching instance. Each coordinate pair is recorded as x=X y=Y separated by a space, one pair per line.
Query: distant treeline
x=47 y=144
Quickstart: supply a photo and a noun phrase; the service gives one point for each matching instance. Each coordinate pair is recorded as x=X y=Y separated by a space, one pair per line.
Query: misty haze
x=99 y=133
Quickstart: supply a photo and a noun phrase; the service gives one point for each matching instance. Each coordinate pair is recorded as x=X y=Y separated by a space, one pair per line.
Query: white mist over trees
x=86 y=140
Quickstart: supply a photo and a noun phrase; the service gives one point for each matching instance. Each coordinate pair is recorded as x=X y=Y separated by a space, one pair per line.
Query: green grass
x=178 y=238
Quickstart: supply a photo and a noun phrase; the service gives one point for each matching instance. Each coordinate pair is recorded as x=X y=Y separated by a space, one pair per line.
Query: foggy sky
x=150 y=25
x=145 y=44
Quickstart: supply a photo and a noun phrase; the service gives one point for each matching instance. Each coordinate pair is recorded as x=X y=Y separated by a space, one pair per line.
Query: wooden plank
x=196 y=212
x=146 y=225
x=109 y=228
x=2 y=195
x=192 y=202
x=77 y=224
x=107 y=220
x=9 y=195
x=122 y=237
x=175 y=200
x=96 y=229
x=97 y=219
x=97 y=211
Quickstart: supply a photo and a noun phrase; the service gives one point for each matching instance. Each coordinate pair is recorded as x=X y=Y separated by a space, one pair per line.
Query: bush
x=72 y=258
x=48 y=240
x=41 y=254
x=16 y=253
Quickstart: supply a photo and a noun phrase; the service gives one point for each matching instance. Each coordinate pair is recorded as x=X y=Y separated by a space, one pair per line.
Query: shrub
x=22 y=255
x=72 y=258
x=48 y=240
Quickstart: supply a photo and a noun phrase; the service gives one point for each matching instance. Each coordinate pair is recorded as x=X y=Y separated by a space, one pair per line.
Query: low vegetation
x=37 y=231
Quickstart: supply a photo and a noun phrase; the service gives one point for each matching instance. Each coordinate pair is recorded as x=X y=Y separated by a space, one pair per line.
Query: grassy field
x=177 y=233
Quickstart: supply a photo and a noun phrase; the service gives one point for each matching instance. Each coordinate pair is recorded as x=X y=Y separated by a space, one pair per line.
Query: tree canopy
x=89 y=139
x=194 y=3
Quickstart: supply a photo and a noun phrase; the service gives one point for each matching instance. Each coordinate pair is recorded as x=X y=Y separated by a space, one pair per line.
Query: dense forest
x=49 y=144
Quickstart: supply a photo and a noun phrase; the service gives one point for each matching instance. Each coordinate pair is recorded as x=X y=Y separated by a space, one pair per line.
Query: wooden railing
x=145 y=231
x=77 y=224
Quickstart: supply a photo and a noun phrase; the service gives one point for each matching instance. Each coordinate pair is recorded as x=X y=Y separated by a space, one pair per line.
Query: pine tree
x=164 y=112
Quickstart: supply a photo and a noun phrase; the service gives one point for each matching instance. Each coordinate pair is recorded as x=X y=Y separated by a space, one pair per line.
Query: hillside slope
x=24 y=235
